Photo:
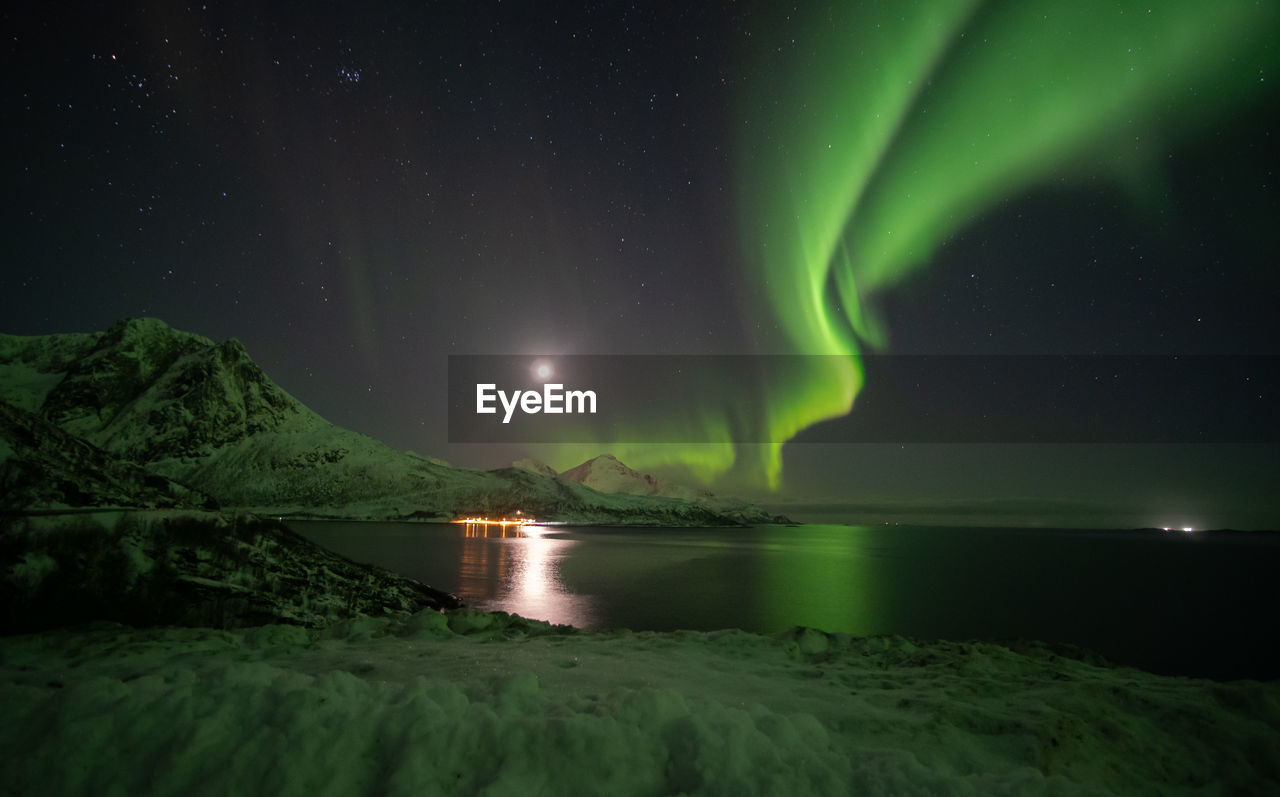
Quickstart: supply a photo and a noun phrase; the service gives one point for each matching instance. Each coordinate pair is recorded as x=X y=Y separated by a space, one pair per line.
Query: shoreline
x=257 y=513
x=161 y=567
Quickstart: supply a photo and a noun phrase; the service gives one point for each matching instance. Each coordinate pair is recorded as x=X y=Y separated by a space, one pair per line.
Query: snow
x=607 y=475
x=473 y=703
x=32 y=365
x=24 y=386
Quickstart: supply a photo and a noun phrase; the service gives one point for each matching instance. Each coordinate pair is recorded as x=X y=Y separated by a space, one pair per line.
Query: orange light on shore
x=521 y=521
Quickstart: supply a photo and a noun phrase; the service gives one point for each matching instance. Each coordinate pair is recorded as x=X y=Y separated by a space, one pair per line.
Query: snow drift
x=469 y=703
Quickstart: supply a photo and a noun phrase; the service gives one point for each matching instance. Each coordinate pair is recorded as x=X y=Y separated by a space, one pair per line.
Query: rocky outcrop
x=46 y=467
x=186 y=568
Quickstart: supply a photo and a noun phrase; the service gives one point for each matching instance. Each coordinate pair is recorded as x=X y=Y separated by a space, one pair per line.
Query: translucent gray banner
x=903 y=399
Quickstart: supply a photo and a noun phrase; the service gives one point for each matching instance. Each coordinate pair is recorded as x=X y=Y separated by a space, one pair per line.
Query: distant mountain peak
x=607 y=474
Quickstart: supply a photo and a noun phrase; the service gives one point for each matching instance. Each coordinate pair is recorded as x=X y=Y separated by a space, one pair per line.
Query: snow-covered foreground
x=473 y=703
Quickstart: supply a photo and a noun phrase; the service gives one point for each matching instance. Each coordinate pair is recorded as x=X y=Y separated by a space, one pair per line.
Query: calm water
x=1194 y=604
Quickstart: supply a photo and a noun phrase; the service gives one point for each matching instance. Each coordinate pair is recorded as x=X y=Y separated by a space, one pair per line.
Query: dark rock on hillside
x=185 y=568
x=47 y=467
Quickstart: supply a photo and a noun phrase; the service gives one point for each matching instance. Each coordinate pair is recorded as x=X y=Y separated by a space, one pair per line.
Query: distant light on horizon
x=542 y=369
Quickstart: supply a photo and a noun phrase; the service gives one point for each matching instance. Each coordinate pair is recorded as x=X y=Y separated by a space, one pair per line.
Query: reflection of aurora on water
x=518 y=565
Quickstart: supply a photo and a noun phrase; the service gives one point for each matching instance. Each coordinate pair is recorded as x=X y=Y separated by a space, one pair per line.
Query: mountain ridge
x=202 y=417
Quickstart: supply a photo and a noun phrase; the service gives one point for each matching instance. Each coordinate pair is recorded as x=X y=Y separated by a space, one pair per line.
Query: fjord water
x=1199 y=604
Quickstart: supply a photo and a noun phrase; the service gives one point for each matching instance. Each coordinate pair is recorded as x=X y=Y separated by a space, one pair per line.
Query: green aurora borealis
x=900 y=123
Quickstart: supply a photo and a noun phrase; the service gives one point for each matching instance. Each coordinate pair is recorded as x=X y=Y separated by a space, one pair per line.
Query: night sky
x=358 y=192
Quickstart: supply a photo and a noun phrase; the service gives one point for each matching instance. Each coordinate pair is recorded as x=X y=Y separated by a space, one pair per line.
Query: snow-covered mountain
x=203 y=418
x=606 y=474
x=609 y=475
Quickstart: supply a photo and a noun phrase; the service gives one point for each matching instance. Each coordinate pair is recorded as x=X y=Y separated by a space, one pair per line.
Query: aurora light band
x=870 y=132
